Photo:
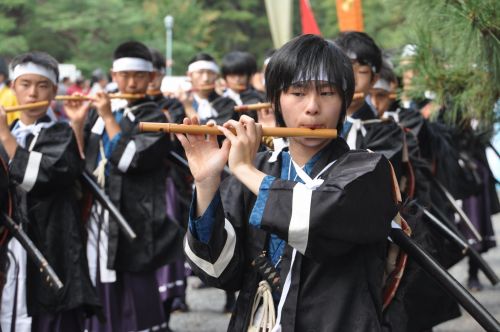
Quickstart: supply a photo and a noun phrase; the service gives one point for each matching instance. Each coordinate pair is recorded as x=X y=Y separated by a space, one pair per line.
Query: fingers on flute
x=249 y=125
x=211 y=138
x=184 y=141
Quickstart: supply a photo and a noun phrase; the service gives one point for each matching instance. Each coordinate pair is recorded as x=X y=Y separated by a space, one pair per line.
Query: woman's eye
x=328 y=93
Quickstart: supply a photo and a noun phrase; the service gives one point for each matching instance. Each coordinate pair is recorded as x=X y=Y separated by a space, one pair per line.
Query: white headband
x=33 y=68
x=383 y=85
x=132 y=64
x=203 y=64
x=303 y=77
x=266 y=61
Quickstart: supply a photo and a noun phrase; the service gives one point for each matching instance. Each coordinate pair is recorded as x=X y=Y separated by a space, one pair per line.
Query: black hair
x=309 y=56
x=387 y=73
x=201 y=57
x=240 y=63
x=269 y=53
x=158 y=60
x=362 y=47
x=40 y=58
x=132 y=49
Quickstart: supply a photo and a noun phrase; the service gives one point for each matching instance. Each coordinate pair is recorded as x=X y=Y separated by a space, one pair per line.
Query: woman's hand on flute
x=206 y=162
x=244 y=146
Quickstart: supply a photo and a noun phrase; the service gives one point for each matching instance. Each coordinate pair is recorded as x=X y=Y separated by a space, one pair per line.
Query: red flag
x=309 y=24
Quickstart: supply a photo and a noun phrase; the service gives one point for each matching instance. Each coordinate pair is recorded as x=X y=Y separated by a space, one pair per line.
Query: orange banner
x=350 y=15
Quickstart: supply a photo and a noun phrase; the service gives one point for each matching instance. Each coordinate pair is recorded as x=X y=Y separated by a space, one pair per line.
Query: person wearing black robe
x=171 y=107
x=420 y=302
x=44 y=165
x=203 y=101
x=128 y=164
x=319 y=213
x=237 y=70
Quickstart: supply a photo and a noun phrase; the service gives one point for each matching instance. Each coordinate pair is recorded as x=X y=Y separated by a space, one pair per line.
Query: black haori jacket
x=136 y=185
x=43 y=185
x=336 y=282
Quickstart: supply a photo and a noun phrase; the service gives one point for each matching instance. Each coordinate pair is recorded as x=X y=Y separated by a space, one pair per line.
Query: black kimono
x=42 y=178
x=135 y=182
x=335 y=232
x=222 y=109
x=176 y=112
x=249 y=96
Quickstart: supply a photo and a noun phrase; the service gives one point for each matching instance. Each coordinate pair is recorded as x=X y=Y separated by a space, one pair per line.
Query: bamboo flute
x=27 y=106
x=111 y=96
x=251 y=107
x=212 y=130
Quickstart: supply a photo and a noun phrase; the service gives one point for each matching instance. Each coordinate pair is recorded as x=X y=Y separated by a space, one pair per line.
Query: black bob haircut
x=363 y=47
x=158 y=60
x=40 y=58
x=132 y=49
x=240 y=63
x=201 y=57
x=310 y=57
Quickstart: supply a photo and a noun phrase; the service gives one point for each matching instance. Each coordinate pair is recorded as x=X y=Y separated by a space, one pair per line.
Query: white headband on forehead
x=132 y=64
x=303 y=77
x=33 y=68
x=203 y=64
x=383 y=85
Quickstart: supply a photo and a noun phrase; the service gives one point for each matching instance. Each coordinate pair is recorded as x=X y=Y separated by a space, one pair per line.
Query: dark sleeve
x=137 y=151
x=220 y=261
x=54 y=162
x=353 y=206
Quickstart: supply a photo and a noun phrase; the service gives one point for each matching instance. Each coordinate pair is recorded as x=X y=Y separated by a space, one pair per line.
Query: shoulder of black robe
x=136 y=184
x=50 y=209
x=385 y=137
x=224 y=107
x=250 y=96
x=365 y=112
x=173 y=105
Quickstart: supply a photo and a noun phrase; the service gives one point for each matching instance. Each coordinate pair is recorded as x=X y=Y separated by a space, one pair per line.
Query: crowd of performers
x=301 y=223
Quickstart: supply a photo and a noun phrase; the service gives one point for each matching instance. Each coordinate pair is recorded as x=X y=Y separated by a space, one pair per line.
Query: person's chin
x=36 y=113
x=312 y=142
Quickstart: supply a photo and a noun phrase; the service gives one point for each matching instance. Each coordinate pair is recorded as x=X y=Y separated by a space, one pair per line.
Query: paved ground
x=207 y=304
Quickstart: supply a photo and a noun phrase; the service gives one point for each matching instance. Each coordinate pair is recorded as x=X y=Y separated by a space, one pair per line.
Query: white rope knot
x=263 y=316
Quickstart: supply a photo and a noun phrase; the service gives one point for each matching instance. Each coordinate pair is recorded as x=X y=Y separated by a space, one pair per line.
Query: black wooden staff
x=33 y=253
x=106 y=202
x=457 y=208
x=450 y=284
